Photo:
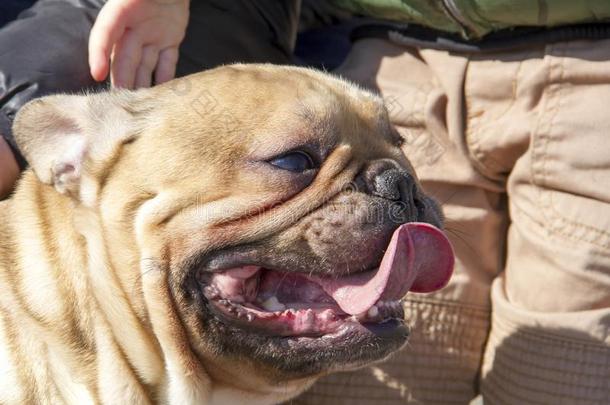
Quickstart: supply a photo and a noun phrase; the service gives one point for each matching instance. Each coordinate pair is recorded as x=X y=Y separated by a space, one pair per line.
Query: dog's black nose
x=384 y=178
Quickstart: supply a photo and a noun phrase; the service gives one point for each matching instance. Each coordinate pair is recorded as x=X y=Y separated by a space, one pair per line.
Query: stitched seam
x=566 y=232
x=573 y=223
x=558 y=223
x=473 y=124
x=484 y=161
x=488 y=164
x=565 y=228
x=539 y=136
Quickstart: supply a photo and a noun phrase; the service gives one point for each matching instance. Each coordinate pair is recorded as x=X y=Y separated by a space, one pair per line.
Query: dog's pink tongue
x=419 y=258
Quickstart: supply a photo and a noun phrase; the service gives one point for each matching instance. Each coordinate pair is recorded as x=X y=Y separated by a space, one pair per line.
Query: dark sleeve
x=249 y=31
x=43 y=51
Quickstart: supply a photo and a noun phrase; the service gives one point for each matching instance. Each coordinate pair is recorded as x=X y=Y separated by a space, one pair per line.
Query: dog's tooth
x=373 y=312
x=211 y=293
x=249 y=317
x=223 y=302
x=273 y=305
x=309 y=318
x=327 y=316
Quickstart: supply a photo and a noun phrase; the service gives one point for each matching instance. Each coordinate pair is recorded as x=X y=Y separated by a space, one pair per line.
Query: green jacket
x=475 y=18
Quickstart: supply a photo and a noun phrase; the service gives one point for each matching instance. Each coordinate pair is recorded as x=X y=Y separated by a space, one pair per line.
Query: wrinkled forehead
x=271 y=108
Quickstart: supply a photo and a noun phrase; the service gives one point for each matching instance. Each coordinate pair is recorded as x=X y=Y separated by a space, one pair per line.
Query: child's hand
x=134 y=38
x=9 y=171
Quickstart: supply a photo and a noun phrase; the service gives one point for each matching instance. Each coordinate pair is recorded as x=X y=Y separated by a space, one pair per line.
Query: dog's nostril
x=384 y=178
x=388 y=185
x=396 y=185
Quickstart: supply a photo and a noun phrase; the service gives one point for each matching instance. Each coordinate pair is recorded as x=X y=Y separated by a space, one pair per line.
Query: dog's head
x=265 y=216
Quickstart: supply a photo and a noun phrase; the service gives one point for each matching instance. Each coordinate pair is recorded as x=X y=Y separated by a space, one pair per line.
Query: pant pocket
x=558 y=256
x=570 y=147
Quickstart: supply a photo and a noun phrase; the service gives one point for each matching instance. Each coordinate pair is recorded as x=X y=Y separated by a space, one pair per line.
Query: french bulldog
x=224 y=238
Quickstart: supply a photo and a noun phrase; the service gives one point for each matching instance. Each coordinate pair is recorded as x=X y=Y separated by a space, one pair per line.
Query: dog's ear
x=70 y=139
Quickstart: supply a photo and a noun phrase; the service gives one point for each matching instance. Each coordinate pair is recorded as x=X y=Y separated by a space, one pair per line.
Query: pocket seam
x=541 y=139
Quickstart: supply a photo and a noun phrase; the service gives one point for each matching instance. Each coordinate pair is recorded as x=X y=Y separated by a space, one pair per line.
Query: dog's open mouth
x=283 y=303
x=286 y=304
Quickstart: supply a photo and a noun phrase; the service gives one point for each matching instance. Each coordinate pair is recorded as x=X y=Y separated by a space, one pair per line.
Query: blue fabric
x=10 y=9
x=323 y=48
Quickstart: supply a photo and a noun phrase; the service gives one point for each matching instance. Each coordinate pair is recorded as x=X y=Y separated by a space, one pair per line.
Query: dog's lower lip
x=283 y=303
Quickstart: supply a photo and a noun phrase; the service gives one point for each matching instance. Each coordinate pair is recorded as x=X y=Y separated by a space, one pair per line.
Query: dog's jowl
x=225 y=238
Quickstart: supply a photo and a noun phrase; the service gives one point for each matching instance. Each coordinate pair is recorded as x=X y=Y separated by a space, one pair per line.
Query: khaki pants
x=516 y=146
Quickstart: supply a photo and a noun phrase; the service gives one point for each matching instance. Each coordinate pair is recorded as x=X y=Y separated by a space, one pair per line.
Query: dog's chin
x=351 y=346
x=282 y=322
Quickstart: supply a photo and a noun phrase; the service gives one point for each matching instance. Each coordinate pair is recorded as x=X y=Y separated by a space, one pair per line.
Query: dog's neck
x=78 y=287
x=72 y=295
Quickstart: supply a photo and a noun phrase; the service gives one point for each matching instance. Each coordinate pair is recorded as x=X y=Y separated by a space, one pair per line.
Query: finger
x=166 y=68
x=125 y=60
x=105 y=33
x=150 y=56
x=9 y=170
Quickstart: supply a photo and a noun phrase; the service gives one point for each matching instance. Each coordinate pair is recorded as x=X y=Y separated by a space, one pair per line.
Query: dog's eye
x=294 y=161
